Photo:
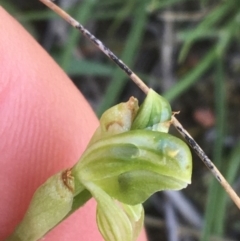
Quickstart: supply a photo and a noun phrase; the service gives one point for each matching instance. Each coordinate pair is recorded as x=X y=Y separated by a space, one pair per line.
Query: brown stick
x=98 y=44
x=198 y=150
x=145 y=89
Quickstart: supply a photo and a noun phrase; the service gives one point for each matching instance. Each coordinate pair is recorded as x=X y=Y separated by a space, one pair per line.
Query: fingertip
x=45 y=123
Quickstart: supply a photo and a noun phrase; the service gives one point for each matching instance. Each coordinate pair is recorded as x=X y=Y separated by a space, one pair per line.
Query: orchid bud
x=154 y=114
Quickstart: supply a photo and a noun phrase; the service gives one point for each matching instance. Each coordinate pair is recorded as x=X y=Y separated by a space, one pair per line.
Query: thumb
x=45 y=126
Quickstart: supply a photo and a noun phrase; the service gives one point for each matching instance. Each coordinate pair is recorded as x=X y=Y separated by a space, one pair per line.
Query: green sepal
x=154 y=113
x=133 y=165
x=117 y=119
x=136 y=216
x=114 y=223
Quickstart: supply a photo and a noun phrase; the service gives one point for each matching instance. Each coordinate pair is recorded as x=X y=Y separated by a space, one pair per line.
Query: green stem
x=80 y=200
x=53 y=202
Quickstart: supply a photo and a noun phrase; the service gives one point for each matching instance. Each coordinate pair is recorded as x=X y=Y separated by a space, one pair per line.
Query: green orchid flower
x=130 y=157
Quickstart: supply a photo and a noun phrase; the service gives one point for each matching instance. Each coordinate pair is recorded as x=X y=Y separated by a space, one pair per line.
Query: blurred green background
x=187 y=50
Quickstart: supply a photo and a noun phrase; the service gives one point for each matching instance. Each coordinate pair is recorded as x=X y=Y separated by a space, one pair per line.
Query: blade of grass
x=217 y=197
x=234 y=164
x=89 y=68
x=220 y=101
x=231 y=173
x=212 y=18
x=188 y=80
x=212 y=33
x=193 y=76
x=155 y=5
x=132 y=44
x=215 y=191
x=223 y=34
x=11 y=8
x=111 y=7
x=36 y=16
x=101 y=14
x=228 y=34
x=108 y=3
x=122 y=14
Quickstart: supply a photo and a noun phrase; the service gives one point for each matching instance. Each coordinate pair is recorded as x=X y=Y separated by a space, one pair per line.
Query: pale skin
x=45 y=126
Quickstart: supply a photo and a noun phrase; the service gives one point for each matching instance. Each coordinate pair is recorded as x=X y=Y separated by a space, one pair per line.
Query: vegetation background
x=187 y=50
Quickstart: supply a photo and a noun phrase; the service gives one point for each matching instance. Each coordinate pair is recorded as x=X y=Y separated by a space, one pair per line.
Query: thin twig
x=98 y=43
x=145 y=89
x=198 y=150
